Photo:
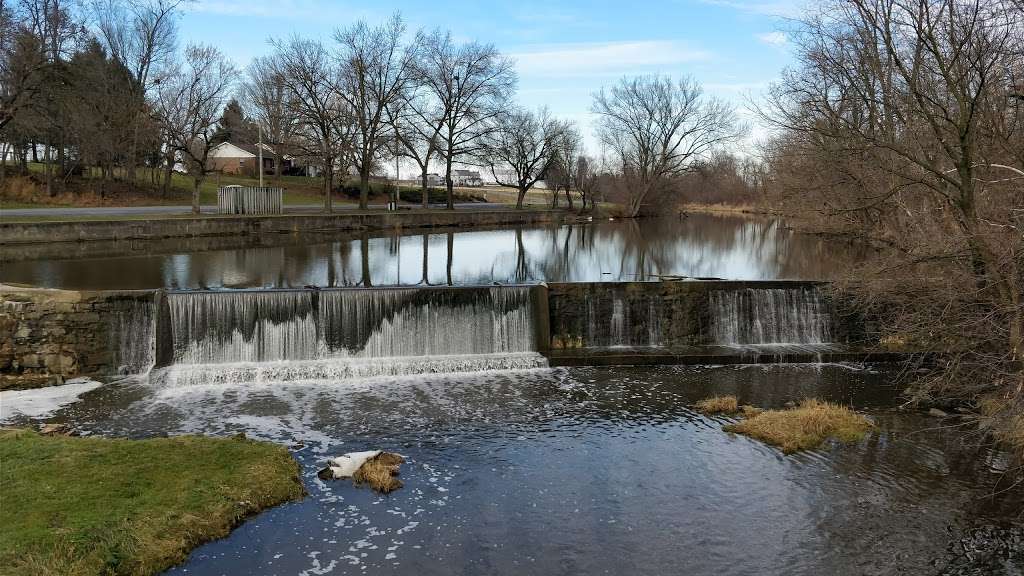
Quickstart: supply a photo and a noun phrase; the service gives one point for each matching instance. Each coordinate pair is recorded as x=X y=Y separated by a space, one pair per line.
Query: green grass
x=76 y=506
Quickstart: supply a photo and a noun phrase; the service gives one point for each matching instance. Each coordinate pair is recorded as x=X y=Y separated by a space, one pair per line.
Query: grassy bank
x=77 y=506
x=85 y=191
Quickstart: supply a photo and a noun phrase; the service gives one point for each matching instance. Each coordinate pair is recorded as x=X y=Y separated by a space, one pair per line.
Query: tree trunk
x=328 y=184
x=168 y=174
x=196 y=182
x=425 y=189
x=3 y=163
x=568 y=197
x=364 y=187
x=50 y=190
x=364 y=253
x=520 y=197
x=449 y=183
x=426 y=272
x=451 y=256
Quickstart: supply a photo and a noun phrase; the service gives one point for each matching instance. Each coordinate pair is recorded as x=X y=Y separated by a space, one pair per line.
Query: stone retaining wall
x=667 y=314
x=47 y=336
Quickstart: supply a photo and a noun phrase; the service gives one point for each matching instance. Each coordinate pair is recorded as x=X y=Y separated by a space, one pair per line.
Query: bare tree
x=267 y=101
x=521 y=147
x=470 y=84
x=417 y=121
x=375 y=69
x=587 y=179
x=142 y=36
x=188 y=107
x=657 y=127
x=902 y=123
x=310 y=80
x=561 y=174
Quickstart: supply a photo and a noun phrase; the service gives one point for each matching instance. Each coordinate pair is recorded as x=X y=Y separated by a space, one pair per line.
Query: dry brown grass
x=804 y=427
x=718 y=405
x=380 y=472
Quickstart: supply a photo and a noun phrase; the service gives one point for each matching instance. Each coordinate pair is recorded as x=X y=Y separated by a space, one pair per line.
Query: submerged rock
x=373 y=467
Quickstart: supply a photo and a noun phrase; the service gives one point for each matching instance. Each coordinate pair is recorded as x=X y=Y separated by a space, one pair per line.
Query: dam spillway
x=186 y=338
x=316 y=334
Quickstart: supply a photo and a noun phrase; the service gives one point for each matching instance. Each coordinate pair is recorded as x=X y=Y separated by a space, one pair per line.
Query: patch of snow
x=41 y=402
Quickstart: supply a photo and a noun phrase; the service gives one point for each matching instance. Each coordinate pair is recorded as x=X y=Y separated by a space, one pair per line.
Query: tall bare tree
x=902 y=122
x=470 y=84
x=657 y=128
x=142 y=36
x=520 y=147
x=310 y=79
x=188 y=107
x=375 y=70
x=268 y=102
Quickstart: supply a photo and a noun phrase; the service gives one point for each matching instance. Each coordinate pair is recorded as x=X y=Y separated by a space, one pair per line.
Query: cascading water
x=337 y=334
x=613 y=320
x=133 y=336
x=798 y=316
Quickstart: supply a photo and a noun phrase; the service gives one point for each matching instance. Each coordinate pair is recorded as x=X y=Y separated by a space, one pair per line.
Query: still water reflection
x=698 y=246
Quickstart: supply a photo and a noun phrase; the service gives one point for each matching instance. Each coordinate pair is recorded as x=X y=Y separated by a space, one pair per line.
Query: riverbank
x=218 y=225
x=77 y=506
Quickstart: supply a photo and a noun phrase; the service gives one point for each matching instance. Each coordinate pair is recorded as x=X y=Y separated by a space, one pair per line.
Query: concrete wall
x=47 y=336
x=77 y=231
x=599 y=314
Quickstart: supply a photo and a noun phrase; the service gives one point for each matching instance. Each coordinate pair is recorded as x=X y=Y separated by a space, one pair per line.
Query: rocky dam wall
x=48 y=336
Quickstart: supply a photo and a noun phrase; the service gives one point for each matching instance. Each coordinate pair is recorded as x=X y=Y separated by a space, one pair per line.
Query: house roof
x=239 y=150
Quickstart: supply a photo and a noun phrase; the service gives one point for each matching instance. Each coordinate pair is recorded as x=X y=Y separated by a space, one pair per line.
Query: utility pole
x=259 y=147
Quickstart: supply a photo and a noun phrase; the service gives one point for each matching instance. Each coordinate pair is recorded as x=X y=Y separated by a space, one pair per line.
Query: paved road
x=178 y=210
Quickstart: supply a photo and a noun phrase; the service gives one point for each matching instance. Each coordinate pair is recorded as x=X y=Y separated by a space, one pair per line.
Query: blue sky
x=565 y=51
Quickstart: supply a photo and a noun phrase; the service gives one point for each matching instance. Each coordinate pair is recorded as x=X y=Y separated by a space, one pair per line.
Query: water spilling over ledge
x=287 y=335
x=306 y=334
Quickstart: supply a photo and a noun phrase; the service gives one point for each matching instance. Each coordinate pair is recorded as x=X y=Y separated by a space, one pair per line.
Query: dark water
x=595 y=471
x=698 y=246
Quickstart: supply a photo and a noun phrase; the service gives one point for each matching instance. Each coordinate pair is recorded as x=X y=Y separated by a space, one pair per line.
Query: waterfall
x=613 y=320
x=132 y=327
x=770 y=316
x=345 y=333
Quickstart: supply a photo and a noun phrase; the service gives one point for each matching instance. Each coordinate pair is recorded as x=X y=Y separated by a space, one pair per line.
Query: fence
x=250 y=200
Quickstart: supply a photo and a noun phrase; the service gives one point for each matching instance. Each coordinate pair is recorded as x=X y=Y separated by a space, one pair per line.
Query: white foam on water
x=42 y=402
x=338 y=370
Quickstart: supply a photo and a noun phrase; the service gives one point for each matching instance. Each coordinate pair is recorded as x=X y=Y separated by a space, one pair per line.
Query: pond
x=702 y=245
x=594 y=470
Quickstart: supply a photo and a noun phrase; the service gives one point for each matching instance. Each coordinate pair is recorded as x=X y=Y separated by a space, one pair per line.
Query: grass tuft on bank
x=718 y=405
x=77 y=506
x=804 y=427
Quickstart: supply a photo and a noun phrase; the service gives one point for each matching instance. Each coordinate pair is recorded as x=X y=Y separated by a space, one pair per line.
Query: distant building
x=231 y=158
x=435 y=180
x=467 y=178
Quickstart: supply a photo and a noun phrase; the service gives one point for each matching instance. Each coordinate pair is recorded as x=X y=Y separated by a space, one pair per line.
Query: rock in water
x=376 y=468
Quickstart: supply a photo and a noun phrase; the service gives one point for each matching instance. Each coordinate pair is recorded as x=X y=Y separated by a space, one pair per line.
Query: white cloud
x=604 y=58
x=783 y=8
x=773 y=38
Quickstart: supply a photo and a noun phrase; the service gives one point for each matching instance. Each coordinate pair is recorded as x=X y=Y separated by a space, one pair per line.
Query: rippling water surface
x=590 y=471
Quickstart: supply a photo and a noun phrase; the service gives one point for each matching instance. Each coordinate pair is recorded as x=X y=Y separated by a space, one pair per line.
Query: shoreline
x=16 y=233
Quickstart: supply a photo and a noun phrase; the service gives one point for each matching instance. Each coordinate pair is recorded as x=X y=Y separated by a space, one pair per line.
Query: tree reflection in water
x=622 y=250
